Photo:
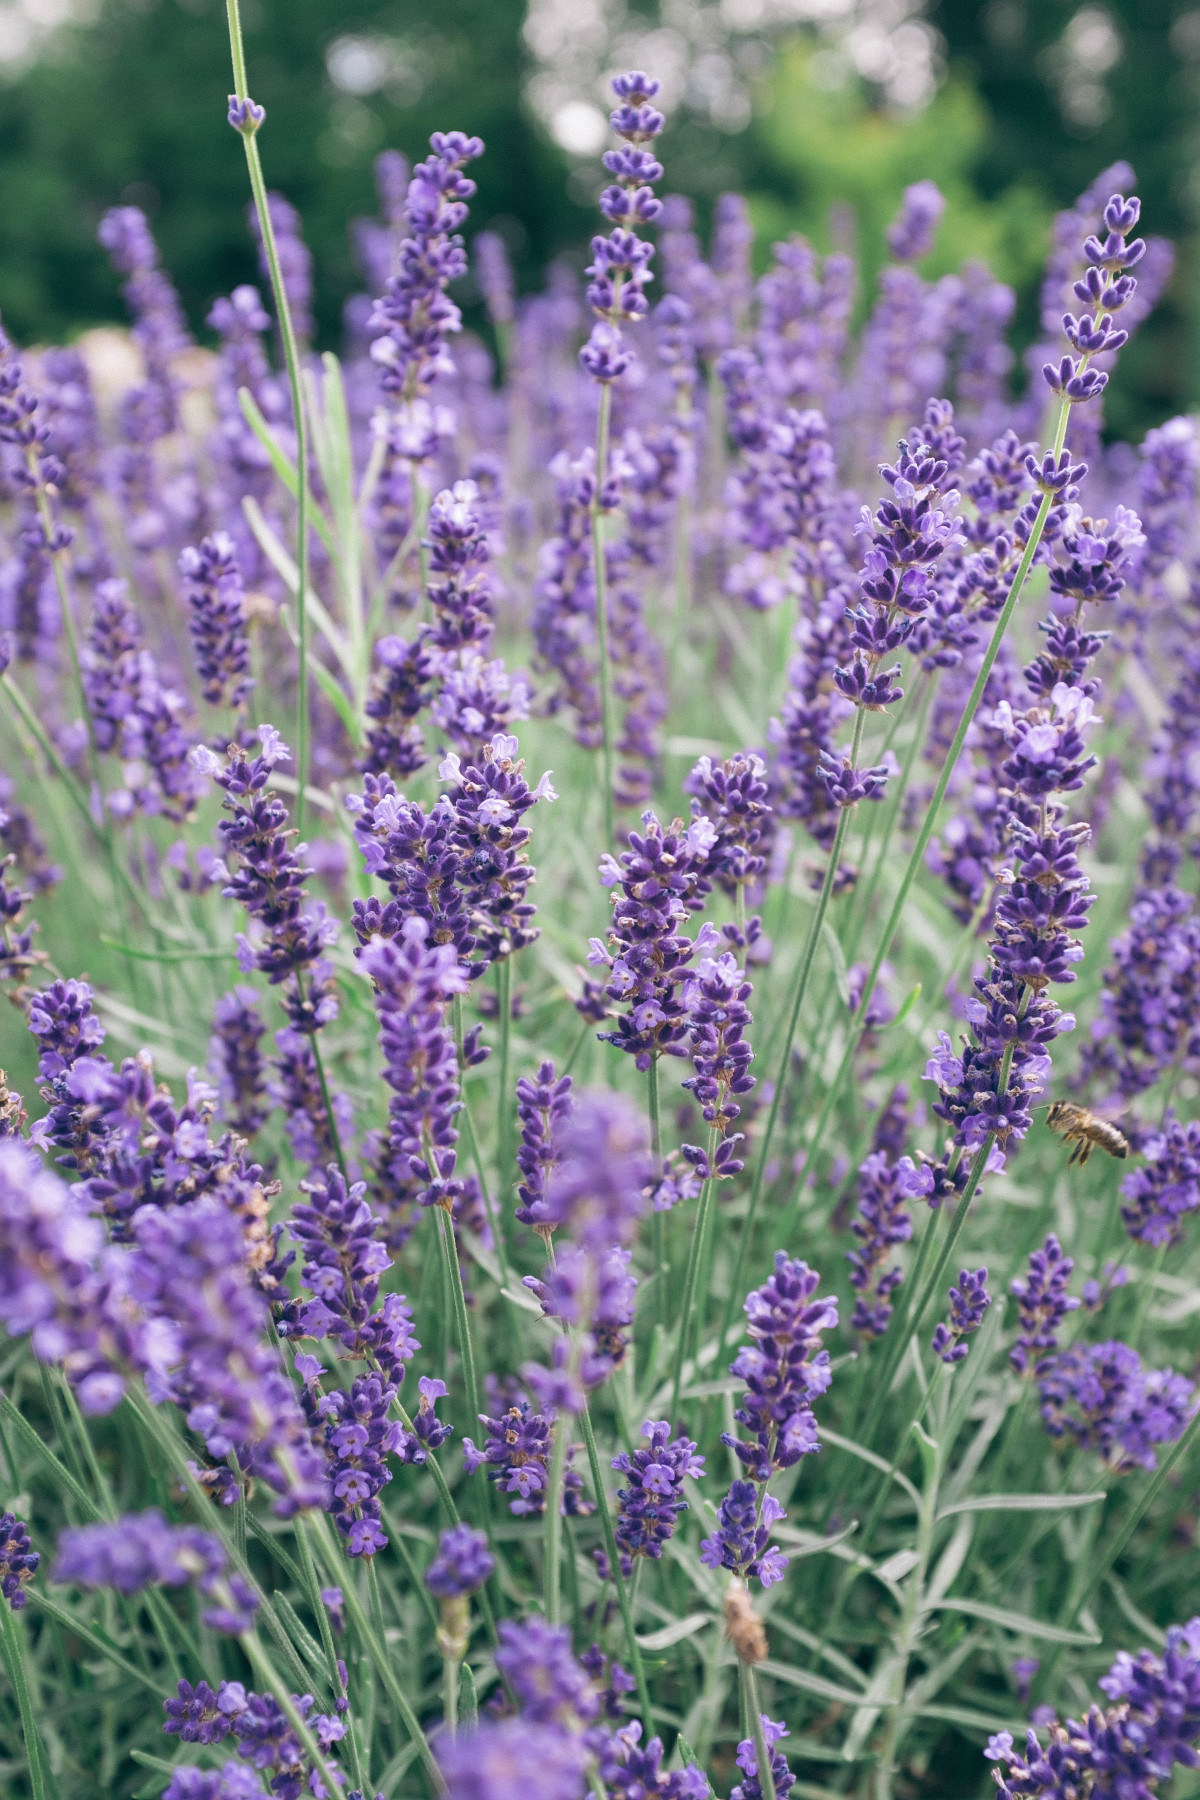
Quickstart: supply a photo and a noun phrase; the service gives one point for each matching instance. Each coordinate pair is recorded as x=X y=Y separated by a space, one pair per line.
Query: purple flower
x=660 y=879
x=911 y=235
x=343 y=1264
x=1167 y=1189
x=141 y=1550
x=598 y=1191
x=648 y=1509
x=235 y=1060
x=462 y=1564
x=401 y=687
x=268 y=878
x=217 y=619
x=494 y=1762
x=415 y=314
x=1102 y=1396
x=516 y=1454
x=968 y=1303
x=633 y=1773
x=18 y=1560
x=357 y=1436
x=620 y=267
x=785 y=1369
x=265 y=1739
x=751 y=1787
x=715 y=997
x=740 y=1542
x=548 y=1684
x=883 y=1221
x=1128 y=1748
x=1043 y=1303
x=543 y=1105
x=414 y=982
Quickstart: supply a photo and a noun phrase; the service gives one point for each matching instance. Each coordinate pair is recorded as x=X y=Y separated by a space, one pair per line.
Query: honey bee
x=1086 y=1131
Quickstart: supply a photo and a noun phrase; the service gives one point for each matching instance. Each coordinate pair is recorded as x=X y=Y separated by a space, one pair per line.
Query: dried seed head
x=743 y=1627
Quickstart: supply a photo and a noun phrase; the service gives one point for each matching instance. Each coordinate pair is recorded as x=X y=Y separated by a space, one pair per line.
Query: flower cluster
x=142 y=1550
x=1152 y=1724
x=620 y=267
x=649 y=1508
x=660 y=879
x=883 y=1221
x=968 y=1303
x=18 y=1560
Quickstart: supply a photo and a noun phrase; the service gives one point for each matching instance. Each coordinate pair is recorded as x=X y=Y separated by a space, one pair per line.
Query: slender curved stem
x=15 y=1658
x=801 y=988
x=694 y=1261
x=291 y=357
x=632 y=1647
x=461 y=1317
x=601 y=583
x=552 y=1534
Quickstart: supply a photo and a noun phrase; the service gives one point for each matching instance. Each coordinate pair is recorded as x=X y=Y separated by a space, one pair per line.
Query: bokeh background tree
x=820 y=110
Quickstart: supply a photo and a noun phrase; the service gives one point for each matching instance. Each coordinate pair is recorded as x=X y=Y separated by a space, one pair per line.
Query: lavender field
x=601 y=1134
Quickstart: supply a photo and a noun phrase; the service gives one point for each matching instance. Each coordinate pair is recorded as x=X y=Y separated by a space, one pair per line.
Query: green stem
x=15 y=1657
x=748 y=1683
x=552 y=1573
x=450 y=1693
x=689 y=1303
x=316 y=1606
x=326 y=1098
x=291 y=356
x=632 y=1647
x=601 y=583
x=461 y=1319
x=376 y=1649
x=656 y=1225
x=785 y=1059
x=504 y=1099
x=1137 y=1513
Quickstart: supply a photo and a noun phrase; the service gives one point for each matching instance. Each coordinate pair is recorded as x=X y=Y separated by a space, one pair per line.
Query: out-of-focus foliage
x=132 y=106
x=1037 y=97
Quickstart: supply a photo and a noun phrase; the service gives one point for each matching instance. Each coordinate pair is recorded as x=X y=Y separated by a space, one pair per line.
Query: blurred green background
x=810 y=107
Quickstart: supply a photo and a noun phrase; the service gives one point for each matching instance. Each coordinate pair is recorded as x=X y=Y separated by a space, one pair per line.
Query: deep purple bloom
x=217 y=619
x=18 y=1560
x=648 y=1509
x=660 y=879
x=1103 y=1397
x=968 y=1303
x=716 y=996
x=751 y=1787
x=462 y=1564
x=1127 y=1748
x=543 y=1104
x=1043 y=1303
x=883 y=1221
x=357 y=1436
x=785 y=1369
x=265 y=1740
x=548 y=1684
x=740 y=1542
x=516 y=1454
x=633 y=1773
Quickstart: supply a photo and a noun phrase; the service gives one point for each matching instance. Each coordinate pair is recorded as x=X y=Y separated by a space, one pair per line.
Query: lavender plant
x=375 y=1409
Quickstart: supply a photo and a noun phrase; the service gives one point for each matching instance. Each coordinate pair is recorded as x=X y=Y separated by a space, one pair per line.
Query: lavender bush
x=557 y=1283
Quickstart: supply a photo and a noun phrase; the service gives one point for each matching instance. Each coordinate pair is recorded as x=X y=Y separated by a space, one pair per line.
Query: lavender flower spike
x=217 y=619
x=141 y=1550
x=18 y=1560
x=968 y=1303
x=649 y=1508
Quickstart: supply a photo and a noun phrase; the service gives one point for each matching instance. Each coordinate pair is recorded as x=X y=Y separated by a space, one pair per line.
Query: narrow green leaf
x=1018 y=1502
x=837 y=957
x=811 y=1684
x=1014 y=1621
x=679 y=1628
x=281 y=462
x=168 y=956
x=868 y=1456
